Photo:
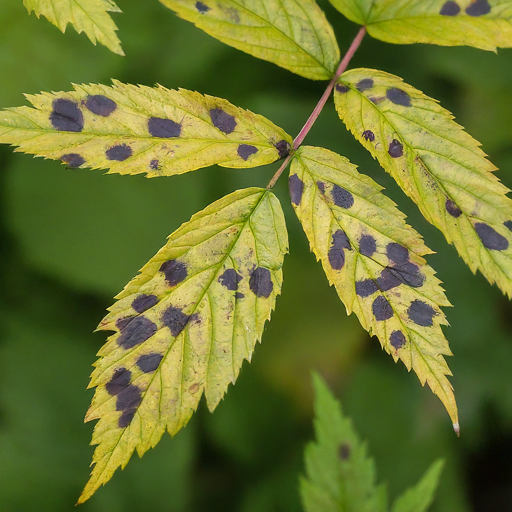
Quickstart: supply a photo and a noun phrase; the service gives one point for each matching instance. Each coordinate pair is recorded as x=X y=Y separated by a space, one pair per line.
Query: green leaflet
x=293 y=34
x=184 y=326
x=374 y=259
x=436 y=163
x=341 y=476
x=89 y=16
x=485 y=24
x=136 y=129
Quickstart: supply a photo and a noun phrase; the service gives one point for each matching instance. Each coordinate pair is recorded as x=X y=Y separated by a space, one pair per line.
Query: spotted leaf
x=436 y=163
x=293 y=34
x=89 y=16
x=136 y=129
x=375 y=261
x=184 y=326
x=485 y=24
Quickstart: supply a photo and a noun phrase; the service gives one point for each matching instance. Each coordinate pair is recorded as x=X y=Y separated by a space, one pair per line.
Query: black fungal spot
x=369 y=135
x=336 y=254
x=344 y=451
x=245 y=151
x=74 y=160
x=398 y=97
x=296 y=186
x=366 y=288
x=490 y=237
x=382 y=309
x=123 y=322
x=128 y=398
x=397 y=339
x=202 y=8
x=100 y=105
x=508 y=224
x=452 y=208
x=260 y=282
x=163 y=128
x=175 y=271
x=230 y=279
x=421 y=313
x=120 y=380
x=66 y=116
x=144 y=302
x=139 y=330
x=239 y=295
x=450 y=9
x=126 y=418
x=397 y=253
x=154 y=164
x=342 y=197
x=222 y=120
x=388 y=280
x=367 y=245
x=119 y=153
x=478 y=8
x=364 y=84
x=342 y=88
x=408 y=273
x=321 y=186
x=283 y=148
x=175 y=319
x=149 y=362
x=396 y=149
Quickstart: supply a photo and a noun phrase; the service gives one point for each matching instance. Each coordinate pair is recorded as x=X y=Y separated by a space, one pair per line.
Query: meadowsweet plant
x=184 y=325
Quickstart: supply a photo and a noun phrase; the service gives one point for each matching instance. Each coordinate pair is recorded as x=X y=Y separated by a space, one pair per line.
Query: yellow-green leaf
x=184 y=326
x=485 y=24
x=136 y=129
x=436 y=163
x=89 y=16
x=293 y=34
x=375 y=261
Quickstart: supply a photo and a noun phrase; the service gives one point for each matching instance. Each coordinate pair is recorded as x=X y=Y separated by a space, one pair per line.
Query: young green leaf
x=136 y=129
x=185 y=325
x=485 y=24
x=436 y=163
x=293 y=34
x=89 y=16
x=340 y=475
x=374 y=259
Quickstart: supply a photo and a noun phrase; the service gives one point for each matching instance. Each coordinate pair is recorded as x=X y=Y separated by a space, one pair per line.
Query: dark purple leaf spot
x=73 y=160
x=222 y=120
x=342 y=88
x=421 y=313
x=408 y=273
x=367 y=245
x=336 y=254
x=154 y=164
x=397 y=253
x=139 y=330
x=202 y=8
x=398 y=97
x=321 y=186
x=396 y=149
x=119 y=153
x=163 y=128
x=478 y=8
x=344 y=451
x=175 y=319
x=369 y=135
x=490 y=237
x=175 y=271
x=128 y=398
x=119 y=381
x=144 y=302
x=296 y=186
x=149 y=362
x=230 y=279
x=245 y=151
x=126 y=418
x=508 y=224
x=364 y=85
x=260 y=282
x=366 y=288
x=397 y=340
x=283 y=148
x=100 y=105
x=382 y=309
x=452 y=208
x=239 y=295
x=450 y=9
x=66 y=116
x=341 y=197
x=123 y=322
x=388 y=280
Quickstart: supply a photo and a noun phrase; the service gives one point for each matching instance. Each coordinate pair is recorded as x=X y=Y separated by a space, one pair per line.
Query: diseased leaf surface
x=375 y=261
x=293 y=34
x=436 y=163
x=136 y=129
x=184 y=326
x=89 y=16
x=485 y=24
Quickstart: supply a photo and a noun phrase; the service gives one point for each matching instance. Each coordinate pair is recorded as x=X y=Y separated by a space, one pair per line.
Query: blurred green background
x=71 y=239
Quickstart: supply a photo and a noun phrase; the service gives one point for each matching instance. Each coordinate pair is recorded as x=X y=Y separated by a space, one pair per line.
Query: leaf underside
x=89 y=16
x=436 y=163
x=484 y=24
x=293 y=34
x=185 y=325
x=374 y=260
x=136 y=129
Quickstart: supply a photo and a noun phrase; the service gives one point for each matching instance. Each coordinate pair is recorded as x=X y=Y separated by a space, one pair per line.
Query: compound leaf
x=485 y=24
x=89 y=16
x=374 y=260
x=340 y=475
x=436 y=163
x=136 y=129
x=184 y=325
x=293 y=34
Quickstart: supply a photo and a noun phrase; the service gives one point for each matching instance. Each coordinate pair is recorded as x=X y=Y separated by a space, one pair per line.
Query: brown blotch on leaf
x=202 y=8
x=175 y=271
x=336 y=254
x=398 y=97
x=397 y=340
x=74 y=160
x=369 y=135
x=344 y=451
x=119 y=153
x=365 y=84
x=119 y=381
x=342 y=88
x=296 y=186
x=154 y=164
x=321 y=186
x=490 y=237
x=421 y=313
x=260 y=282
x=382 y=309
x=66 y=116
x=450 y=9
x=396 y=149
x=452 y=208
x=100 y=105
x=222 y=120
x=163 y=128
x=246 y=150
x=137 y=331
x=478 y=8
x=283 y=148
x=175 y=319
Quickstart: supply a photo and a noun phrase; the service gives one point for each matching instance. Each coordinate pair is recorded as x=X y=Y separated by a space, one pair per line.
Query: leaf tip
x=456 y=428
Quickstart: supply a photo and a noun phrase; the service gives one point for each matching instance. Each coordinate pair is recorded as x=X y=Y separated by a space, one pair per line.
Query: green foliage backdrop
x=71 y=239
